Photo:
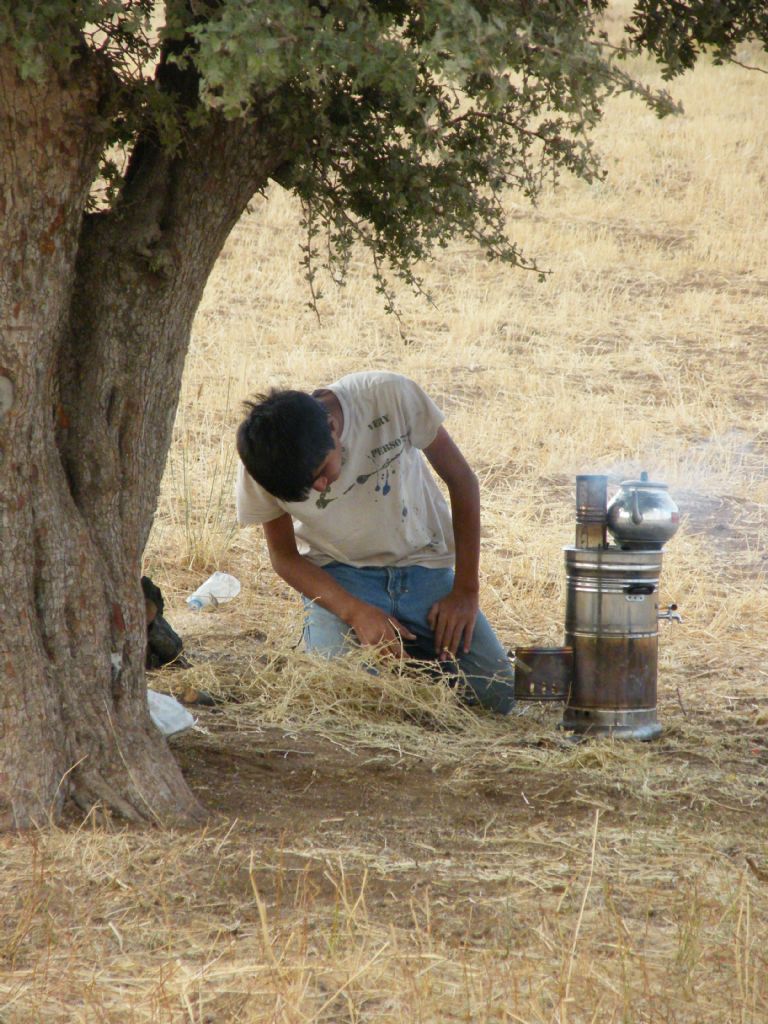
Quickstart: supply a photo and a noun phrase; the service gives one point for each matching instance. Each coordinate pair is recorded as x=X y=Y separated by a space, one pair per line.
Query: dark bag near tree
x=164 y=645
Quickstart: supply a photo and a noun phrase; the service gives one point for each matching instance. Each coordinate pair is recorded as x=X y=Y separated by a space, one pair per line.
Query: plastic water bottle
x=216 y=590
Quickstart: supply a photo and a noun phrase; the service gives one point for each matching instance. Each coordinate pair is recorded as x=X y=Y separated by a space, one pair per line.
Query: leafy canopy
x=677 y=32
x=403 y=121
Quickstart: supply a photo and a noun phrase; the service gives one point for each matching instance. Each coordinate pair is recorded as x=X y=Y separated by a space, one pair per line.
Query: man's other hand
x=374 y=628
x=453 y=618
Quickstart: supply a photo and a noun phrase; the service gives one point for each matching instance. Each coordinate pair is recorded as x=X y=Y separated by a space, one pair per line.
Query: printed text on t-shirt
x=388 y=447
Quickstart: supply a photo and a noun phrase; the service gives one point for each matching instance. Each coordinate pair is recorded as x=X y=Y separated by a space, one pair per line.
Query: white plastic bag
x=169 y=716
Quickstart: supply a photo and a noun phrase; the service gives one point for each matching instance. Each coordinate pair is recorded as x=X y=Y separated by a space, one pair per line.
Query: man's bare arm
x=371 y=625
x=453 y=618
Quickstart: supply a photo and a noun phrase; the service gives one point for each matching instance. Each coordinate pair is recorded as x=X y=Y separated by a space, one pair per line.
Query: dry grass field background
x=376 y=853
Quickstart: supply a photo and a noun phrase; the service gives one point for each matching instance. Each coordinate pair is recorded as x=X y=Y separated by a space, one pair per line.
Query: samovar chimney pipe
x=591 y=511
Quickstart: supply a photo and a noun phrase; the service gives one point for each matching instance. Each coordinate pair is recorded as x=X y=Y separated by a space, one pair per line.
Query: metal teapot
x=642 y=514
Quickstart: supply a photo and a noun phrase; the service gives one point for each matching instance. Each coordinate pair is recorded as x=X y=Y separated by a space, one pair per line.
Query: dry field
x=377 y=854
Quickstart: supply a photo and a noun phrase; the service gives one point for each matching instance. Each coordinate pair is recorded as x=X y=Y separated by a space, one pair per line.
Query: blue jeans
x=407 y=594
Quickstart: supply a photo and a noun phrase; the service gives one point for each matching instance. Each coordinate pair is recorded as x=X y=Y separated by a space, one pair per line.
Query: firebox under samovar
x=611 y=615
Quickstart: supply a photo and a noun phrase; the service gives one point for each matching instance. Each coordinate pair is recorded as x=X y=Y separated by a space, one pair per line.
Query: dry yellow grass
x=385 y=856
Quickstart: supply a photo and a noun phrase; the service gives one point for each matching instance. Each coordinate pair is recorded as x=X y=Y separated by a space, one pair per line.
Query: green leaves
x=39 y=33
x=52 y=33
x=247 y=51
x=400 y=123
x=676 y=33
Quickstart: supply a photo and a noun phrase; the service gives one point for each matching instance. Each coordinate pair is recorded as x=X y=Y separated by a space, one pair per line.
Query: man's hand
x=374 y=628
x=451 y=618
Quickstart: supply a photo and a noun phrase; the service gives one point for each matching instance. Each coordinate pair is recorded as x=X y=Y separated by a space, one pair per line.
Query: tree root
x=91 y=790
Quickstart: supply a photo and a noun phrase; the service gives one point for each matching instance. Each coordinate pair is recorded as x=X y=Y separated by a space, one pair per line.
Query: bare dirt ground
x=445 y=829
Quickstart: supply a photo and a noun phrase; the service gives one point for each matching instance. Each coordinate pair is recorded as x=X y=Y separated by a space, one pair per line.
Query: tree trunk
x=95 y=315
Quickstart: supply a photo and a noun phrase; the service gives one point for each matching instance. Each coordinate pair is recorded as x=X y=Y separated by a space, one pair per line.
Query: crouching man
x=355 y=521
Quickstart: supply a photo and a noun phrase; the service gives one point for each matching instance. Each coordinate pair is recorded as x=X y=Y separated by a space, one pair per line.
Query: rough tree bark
x=95 y=315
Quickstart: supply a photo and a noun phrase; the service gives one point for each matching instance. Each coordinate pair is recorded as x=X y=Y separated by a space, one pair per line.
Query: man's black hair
x=282 y=442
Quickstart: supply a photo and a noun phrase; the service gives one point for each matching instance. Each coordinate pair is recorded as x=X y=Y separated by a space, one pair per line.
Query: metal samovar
x=611 y=615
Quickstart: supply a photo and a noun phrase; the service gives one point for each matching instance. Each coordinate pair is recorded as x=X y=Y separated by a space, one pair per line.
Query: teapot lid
x=644 y=482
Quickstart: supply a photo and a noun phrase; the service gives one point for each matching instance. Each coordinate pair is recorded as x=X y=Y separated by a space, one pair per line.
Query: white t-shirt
x=386 y=507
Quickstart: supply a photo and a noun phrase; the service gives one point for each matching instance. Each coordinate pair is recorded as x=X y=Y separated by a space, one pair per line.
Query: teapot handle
x=637 y=516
